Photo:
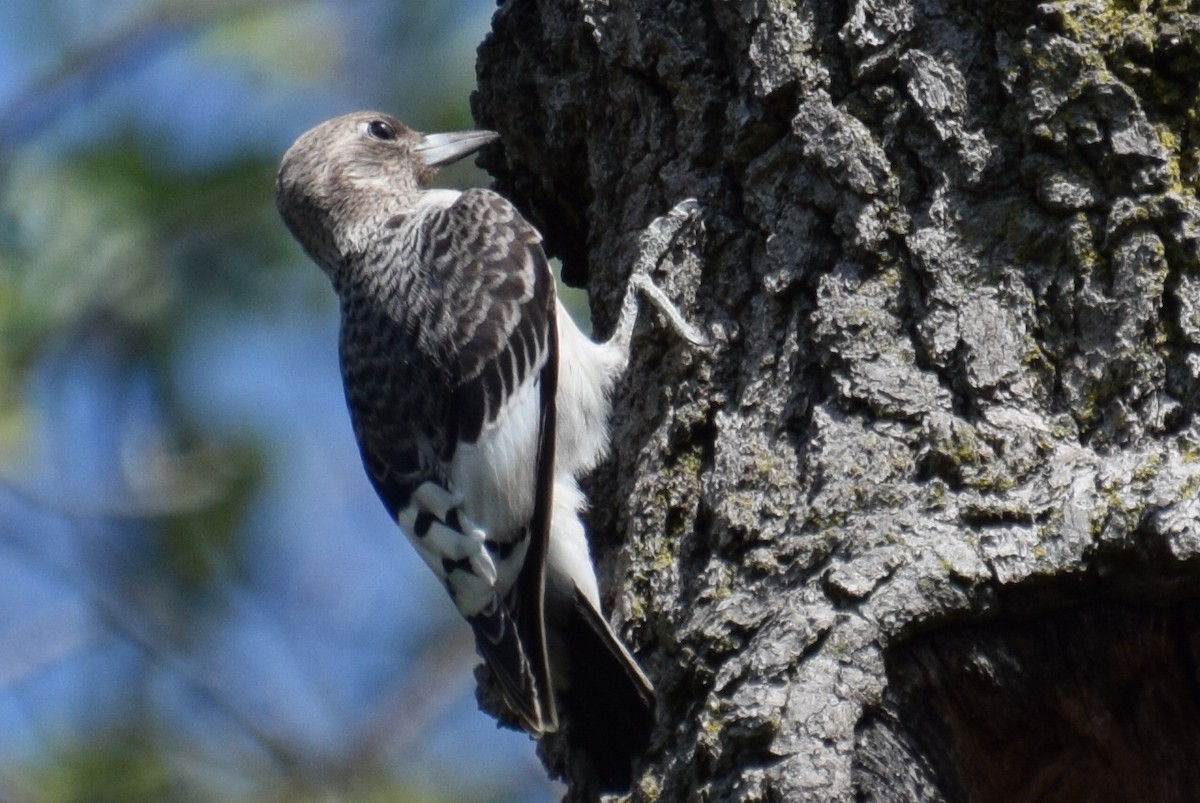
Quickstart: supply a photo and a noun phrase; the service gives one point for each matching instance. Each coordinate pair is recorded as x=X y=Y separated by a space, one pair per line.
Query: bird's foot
x=654 y=243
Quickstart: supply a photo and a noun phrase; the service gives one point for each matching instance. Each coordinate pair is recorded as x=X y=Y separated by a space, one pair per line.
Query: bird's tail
x=607 y=700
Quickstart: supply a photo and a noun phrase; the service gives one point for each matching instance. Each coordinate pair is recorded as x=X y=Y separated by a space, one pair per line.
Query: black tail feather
x=516 y=657
x=608 y=702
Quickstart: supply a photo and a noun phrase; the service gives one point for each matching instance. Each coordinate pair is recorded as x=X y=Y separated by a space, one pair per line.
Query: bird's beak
x=436 y=150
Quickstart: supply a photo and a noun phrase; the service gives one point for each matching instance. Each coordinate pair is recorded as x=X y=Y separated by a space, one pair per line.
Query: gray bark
x=925 y=524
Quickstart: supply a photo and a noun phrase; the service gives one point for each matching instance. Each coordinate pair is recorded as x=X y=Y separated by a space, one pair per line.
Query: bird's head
x=356 y=169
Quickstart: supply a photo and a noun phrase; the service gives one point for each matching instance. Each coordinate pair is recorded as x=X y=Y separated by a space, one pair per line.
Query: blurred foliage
x=106 y=241
x=200 y=543
x=173 y=628
x=253 y=36
x=115 y=767
x=104 y=244
x=130 y=765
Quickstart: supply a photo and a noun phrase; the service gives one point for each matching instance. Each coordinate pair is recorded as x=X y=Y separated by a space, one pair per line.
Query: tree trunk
x=924 y=525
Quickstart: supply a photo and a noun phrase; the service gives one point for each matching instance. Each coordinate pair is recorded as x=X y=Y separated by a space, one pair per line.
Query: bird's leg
x=653 y=244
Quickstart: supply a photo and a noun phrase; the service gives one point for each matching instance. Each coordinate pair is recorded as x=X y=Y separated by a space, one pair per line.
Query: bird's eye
x=381 y=129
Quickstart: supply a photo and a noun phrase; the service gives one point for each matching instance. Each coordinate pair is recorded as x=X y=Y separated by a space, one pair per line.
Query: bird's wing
x=480 y=320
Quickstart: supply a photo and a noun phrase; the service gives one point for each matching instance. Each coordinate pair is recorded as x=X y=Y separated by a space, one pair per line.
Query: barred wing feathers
x=467 y=337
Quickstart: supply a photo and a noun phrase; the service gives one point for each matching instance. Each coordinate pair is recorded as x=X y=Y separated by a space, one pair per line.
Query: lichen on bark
x=947 y=441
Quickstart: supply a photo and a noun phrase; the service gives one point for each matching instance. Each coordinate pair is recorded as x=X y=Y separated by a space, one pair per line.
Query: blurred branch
x=99 y=63
x=185 y=493
x=408 y=712
x=127 y=620
x=41 y=641
x=424 y=693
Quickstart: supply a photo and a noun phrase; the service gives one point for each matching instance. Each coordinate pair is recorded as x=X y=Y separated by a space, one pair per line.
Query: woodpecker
x=477 y=404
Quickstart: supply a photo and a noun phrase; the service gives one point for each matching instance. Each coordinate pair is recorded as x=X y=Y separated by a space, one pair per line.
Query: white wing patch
x=474 y=537
x=496 y=476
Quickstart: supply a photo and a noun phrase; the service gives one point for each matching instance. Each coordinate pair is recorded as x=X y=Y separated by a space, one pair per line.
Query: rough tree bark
x=925 y=525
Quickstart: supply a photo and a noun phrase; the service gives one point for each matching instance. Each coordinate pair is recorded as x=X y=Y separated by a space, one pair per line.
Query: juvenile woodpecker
x=477 y=404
